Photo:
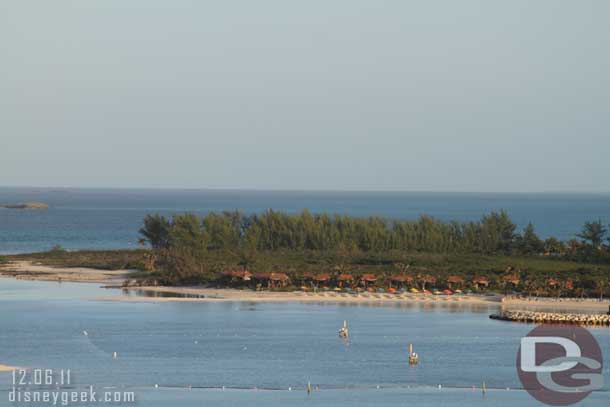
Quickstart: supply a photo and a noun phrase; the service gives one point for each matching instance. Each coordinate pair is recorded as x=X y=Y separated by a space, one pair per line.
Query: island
x=26 y=205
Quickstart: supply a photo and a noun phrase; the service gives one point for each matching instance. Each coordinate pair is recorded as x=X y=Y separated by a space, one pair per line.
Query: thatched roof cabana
x=427 y=278
x=455 y=279
x=480 y=281
x=401 y=278
x=322 y=277
x=345 y=277
x=282 y=277
x=237 y=274
x=552 y=282
x=368 y=278
x=262 y=275
x=514 y=279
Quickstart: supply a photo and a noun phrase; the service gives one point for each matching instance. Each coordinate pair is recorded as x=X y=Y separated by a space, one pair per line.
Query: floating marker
x=114 y=355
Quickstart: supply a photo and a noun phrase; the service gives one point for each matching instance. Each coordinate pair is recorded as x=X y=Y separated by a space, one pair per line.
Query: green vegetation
x=221 y=248
x=100 y=259
x=189 y=249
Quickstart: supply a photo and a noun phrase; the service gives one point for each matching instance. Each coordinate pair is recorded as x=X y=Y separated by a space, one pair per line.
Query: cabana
x=262 y=279
x=453 y=281
x=367 y=279
x=320 y=279
x=552 y=283
x=345 y=279
x=272 y=280
x=237 y=275
x=480 y=282
x=512 y=279
x=278 y=280
x=306 y=279
x=401 y=280
x=426 y=279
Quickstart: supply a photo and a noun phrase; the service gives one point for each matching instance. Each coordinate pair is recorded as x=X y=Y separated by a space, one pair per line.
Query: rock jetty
x=553 y=318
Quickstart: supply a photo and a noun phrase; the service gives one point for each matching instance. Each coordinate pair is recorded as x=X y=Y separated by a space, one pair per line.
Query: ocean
x=110 y=218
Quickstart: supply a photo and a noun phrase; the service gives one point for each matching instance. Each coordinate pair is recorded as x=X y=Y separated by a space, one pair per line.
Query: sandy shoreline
x=28 y=270
x=200 y=294
x=5 y=368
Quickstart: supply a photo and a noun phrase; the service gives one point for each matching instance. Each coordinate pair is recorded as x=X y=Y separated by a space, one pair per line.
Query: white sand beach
x=28 y=270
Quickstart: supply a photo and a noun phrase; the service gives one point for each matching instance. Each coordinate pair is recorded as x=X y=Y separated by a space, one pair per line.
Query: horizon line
x=330 y=190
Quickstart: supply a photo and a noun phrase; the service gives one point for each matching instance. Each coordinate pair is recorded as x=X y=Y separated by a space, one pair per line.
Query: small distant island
x=26 y=205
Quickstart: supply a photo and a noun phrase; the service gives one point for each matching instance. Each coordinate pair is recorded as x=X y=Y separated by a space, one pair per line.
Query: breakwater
x=553 y=318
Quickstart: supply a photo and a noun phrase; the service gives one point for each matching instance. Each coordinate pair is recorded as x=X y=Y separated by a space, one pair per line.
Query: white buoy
x=85 y=333
x=156 y=386
x=114 y=355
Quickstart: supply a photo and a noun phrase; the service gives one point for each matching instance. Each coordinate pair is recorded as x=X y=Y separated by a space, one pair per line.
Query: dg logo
x=560 y=365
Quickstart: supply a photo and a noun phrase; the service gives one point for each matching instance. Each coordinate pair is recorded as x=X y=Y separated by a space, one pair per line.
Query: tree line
x=494 y=233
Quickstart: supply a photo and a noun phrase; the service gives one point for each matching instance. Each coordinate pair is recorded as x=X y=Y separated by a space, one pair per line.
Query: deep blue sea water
x=265 y=353
x=106 y=219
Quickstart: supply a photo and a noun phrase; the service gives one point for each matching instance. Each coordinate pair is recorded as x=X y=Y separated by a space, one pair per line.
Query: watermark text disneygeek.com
x=47 y=387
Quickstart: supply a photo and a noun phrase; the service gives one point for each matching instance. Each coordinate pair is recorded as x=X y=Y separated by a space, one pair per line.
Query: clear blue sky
x=319 y=94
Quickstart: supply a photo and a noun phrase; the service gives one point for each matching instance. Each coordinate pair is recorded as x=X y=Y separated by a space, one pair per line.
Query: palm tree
x=600 y=286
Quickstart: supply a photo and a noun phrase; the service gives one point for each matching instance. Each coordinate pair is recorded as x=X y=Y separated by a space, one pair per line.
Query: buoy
x=156 y=386
x=344 y=332
x=308 y=388
x=413 y=357
x=85 y=333
x=484 y=388
x=114 y=355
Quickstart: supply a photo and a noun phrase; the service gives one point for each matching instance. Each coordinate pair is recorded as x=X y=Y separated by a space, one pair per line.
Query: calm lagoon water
x=107 y=219
x=268 y=346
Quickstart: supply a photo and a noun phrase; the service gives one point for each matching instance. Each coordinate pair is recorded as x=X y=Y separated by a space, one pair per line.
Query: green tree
x=529 y=242
x=156 y=230
x=554 y=245
x=593 y=233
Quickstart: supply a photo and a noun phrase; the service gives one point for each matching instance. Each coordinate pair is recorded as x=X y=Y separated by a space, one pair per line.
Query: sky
x=470 y=95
